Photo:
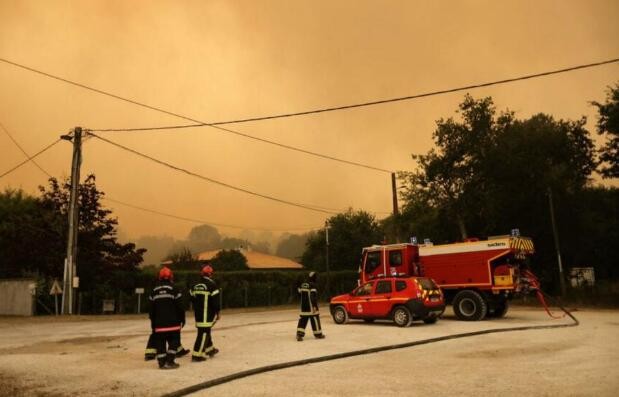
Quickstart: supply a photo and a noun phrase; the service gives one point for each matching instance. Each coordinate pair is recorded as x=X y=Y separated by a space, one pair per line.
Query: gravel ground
x=103 y=356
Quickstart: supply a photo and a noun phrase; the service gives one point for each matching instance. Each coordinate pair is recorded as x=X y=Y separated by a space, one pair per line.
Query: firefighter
x=309 y=309
x=167 y=317
x=205 y=302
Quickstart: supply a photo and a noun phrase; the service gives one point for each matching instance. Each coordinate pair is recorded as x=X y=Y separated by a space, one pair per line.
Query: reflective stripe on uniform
x=166 y=329
x=163 y=296
x=150 y=351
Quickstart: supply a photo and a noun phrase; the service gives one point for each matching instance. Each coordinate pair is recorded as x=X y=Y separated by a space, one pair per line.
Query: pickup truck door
x=380 y=301
x=359 y=303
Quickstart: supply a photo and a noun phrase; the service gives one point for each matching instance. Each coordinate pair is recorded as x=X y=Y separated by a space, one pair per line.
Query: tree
x=227 y=260
x=349 y=232
x=608 y=124
x=291 y=246
x=203 y=238
x=482 y=186
x=31 y=237
x=99 y=253
x=448 y=177
x=183 y=259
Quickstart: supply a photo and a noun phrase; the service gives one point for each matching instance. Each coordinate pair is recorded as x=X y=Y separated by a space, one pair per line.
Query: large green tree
x=100 y=255
x=491 y=172
x=31 y=236
x=349 y=232
x=608 y=125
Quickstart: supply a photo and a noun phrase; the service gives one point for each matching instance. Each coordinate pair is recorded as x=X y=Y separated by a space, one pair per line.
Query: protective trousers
x=314 y=319
x=204 y=343
x=167 y=346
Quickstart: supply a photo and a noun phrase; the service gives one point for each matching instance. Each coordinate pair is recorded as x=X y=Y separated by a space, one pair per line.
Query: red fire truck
x=478 y=277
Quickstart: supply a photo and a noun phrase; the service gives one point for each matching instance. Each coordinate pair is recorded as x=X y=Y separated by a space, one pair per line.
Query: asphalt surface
x=103 y=356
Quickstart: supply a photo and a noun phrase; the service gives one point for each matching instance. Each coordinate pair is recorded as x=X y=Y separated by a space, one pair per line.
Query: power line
x=30 y=158
x=22 y=150
x=370 y=103
x=198 y=122
x=199 y=221
x=147 y=209
x=304 y=206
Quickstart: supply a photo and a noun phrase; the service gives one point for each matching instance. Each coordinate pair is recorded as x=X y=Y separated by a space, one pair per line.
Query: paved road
x=102 y=356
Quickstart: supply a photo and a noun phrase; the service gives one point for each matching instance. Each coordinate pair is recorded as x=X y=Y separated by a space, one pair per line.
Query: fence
x=239 y=289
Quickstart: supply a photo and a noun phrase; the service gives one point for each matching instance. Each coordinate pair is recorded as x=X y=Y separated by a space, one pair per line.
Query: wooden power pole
x=70 y=264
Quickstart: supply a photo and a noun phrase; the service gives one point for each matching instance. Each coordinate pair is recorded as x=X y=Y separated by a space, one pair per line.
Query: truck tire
x=340 y=316
x=402 y=316
x=469 y=305
x=499 y=310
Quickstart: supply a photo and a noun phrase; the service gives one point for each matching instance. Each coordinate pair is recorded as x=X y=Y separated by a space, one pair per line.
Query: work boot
x=197 y=359
x=171 y=365
x=149 y=356
x=213 y=352
x=182 y=352
x=321 y=336
x=299 y=338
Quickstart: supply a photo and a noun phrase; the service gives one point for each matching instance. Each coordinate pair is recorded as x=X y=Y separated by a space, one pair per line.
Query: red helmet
x=207 y=270
x=165 y=274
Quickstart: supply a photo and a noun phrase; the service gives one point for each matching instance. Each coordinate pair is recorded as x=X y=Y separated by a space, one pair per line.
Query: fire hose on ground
x=534 y=285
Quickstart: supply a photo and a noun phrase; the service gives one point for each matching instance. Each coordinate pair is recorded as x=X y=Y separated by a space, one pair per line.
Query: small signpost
x=55 y=290
x=139 y=292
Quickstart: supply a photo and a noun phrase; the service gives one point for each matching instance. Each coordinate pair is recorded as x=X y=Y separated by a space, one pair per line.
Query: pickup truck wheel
x=402 y=316
x=430 y=320
x=499 y=310
x=340 y=316
x=470 y=306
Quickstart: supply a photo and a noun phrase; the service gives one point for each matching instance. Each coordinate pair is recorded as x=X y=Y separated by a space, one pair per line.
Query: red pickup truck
x=402 y=300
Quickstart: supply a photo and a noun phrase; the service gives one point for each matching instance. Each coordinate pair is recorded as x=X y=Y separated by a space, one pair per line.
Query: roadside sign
x=56 y=289
x=139 y=292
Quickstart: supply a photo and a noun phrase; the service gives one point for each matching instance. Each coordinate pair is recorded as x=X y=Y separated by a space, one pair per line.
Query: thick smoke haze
x=222 y=60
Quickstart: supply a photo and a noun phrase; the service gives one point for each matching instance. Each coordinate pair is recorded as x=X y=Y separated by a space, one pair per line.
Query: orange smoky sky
x=223 y=60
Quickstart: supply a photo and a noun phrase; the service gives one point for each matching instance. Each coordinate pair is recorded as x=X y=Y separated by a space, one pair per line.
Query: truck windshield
x=427 y=283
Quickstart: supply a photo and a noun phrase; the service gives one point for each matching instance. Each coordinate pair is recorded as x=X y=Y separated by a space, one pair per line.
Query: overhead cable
x=199 y=221
x=370 y=103
x=147 y=209
x=23 y=151
x=30 y=158
x=198 y=122
x=179 y=169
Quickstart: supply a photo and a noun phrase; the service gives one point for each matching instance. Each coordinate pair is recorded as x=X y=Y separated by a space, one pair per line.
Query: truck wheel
x=470 y=306
x=402 y=316
x=340 y=316
x=499 y=310
x=430 y=320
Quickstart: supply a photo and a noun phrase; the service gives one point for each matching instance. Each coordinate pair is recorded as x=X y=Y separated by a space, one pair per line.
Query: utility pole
x=327 y=255
x=70 y=264
x=394 y=194
x=556 y=238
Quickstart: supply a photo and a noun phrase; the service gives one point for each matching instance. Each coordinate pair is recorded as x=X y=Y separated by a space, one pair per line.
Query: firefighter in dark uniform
x=205 y=302
x=309 y=308
x=167 y=317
